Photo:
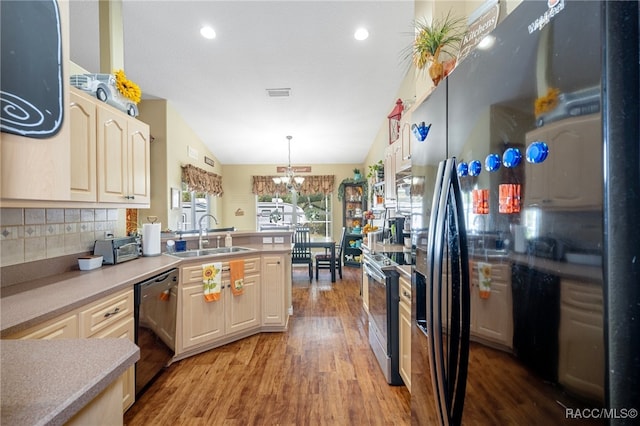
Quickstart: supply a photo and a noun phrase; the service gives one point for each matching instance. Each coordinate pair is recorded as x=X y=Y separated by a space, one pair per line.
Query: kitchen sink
x=210 y=252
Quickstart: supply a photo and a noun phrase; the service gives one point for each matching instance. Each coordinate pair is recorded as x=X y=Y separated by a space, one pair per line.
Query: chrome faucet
x=202 y=242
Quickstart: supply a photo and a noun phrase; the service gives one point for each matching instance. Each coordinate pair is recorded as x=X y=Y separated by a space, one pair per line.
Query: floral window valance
x=264 y=185
x=200 y=180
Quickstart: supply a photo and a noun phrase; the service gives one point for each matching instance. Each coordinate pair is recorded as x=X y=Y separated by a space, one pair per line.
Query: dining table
x=330 y=244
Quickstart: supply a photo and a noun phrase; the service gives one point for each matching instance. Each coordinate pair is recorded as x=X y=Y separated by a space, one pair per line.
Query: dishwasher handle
x=170 y=276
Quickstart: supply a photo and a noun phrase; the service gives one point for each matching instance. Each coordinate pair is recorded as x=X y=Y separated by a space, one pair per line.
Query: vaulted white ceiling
x=341 y=89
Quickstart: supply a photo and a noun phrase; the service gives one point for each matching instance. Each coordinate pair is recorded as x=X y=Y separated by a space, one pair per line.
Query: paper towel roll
x=151 y=239
x=520 y=239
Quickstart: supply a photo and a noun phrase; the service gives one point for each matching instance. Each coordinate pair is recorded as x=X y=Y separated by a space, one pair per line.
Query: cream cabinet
x=110 y=155
x=82 y=113
x=571 y=176
x=491 y=318
x=63 y=327
x=581 y=350
x=203 y=322
x=404 y=325
x=34 y=169
x=110 y=317
x=390 y=173
x=365 y=291
x=274 y=309
x=402 y=151
x=123 y=156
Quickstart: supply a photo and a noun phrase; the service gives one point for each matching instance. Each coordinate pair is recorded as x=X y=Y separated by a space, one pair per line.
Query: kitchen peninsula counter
x=40 y=300
x=50 y=381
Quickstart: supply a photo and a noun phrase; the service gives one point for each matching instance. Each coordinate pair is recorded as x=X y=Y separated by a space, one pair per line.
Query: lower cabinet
x=491 y=317
x=404 y=325
x=205 y=322
x=274 y=311
x=364 y=289
x=110 y=317
x=581 y=365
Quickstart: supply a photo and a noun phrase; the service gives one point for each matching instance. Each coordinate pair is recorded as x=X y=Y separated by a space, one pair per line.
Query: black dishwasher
x=155 y=310
x=536 y=320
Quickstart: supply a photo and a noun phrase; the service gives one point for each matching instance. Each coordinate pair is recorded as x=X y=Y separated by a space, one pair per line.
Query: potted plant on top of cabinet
x=433 y=39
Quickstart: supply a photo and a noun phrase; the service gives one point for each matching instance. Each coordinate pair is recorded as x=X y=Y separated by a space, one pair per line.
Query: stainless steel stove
x=382 y=280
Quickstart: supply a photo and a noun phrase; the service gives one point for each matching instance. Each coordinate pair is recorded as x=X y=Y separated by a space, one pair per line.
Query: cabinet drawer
x=64 y=327
x=124 y=329
x=587 y=296
x=405 y=291
x=103 y=313
x=193 y=274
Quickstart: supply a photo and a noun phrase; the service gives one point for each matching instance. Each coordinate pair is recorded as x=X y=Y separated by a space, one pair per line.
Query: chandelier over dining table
x=289 y=178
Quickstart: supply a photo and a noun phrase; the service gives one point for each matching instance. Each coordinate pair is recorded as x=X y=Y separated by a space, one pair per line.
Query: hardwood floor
x=321 y=372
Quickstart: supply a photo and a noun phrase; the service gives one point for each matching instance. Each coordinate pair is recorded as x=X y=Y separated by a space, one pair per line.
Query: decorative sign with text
x=478 y=30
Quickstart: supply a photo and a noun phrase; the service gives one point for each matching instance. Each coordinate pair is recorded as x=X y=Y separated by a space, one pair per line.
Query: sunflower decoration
x=128 y=88
x=547 y=102
x=209 y=273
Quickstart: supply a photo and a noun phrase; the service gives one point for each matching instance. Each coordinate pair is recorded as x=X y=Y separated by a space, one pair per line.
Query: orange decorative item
x=480 y=201
x=509 y=198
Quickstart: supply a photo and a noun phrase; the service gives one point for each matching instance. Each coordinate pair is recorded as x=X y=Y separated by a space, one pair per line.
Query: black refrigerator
x=525 y=204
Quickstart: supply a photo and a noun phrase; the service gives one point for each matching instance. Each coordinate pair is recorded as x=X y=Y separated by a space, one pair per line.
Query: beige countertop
x=71 y=290
x=49 y=381
x=43 y=299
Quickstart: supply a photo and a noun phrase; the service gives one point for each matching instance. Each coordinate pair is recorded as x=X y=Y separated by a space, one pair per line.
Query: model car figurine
x=103 y=87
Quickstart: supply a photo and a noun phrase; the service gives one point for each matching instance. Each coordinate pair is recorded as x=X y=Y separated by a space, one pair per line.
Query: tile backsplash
x=42 y=233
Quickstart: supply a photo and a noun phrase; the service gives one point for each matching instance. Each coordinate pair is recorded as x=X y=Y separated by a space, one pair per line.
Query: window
x=314 y=211
x=194 y=206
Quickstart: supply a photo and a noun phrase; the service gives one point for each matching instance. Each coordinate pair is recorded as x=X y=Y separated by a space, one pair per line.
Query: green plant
x=356 y=171
x=374 y=169
x=432 y=39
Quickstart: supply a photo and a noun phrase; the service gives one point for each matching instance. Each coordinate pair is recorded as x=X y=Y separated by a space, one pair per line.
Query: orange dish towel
x=212 y=281
x=236 y=270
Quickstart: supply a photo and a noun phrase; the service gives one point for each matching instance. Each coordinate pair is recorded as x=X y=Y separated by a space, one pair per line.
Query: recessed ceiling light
x=486 y=42
x=208 y=32
x=361 y=34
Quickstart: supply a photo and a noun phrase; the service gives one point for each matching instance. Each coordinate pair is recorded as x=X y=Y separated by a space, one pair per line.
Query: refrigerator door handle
x=434 y=295
x=448 y=358
x=460 y=280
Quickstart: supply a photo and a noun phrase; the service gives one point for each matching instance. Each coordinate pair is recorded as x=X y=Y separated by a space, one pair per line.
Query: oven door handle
x=375 y=274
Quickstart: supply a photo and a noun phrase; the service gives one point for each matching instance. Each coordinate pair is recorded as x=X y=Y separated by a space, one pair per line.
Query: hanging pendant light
x=289 y=179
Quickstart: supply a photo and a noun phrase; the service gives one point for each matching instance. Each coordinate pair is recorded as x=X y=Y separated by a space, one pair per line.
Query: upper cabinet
x=571 y=176
x=35 y=168
x=110 y=155
x=403 y=149
x=82 y=112
x=123 y=156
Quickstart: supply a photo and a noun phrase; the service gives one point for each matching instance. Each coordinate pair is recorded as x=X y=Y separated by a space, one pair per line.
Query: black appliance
x=155 y=312
x=398 y=237
x=540 y=131
x=536 y=320
x=382 y=281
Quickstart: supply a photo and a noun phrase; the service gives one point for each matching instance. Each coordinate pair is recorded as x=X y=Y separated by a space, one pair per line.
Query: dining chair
x=323 y=260
x=301 y=253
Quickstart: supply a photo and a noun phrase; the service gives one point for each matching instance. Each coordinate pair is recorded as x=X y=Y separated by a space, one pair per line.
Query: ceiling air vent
x=283 y=92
